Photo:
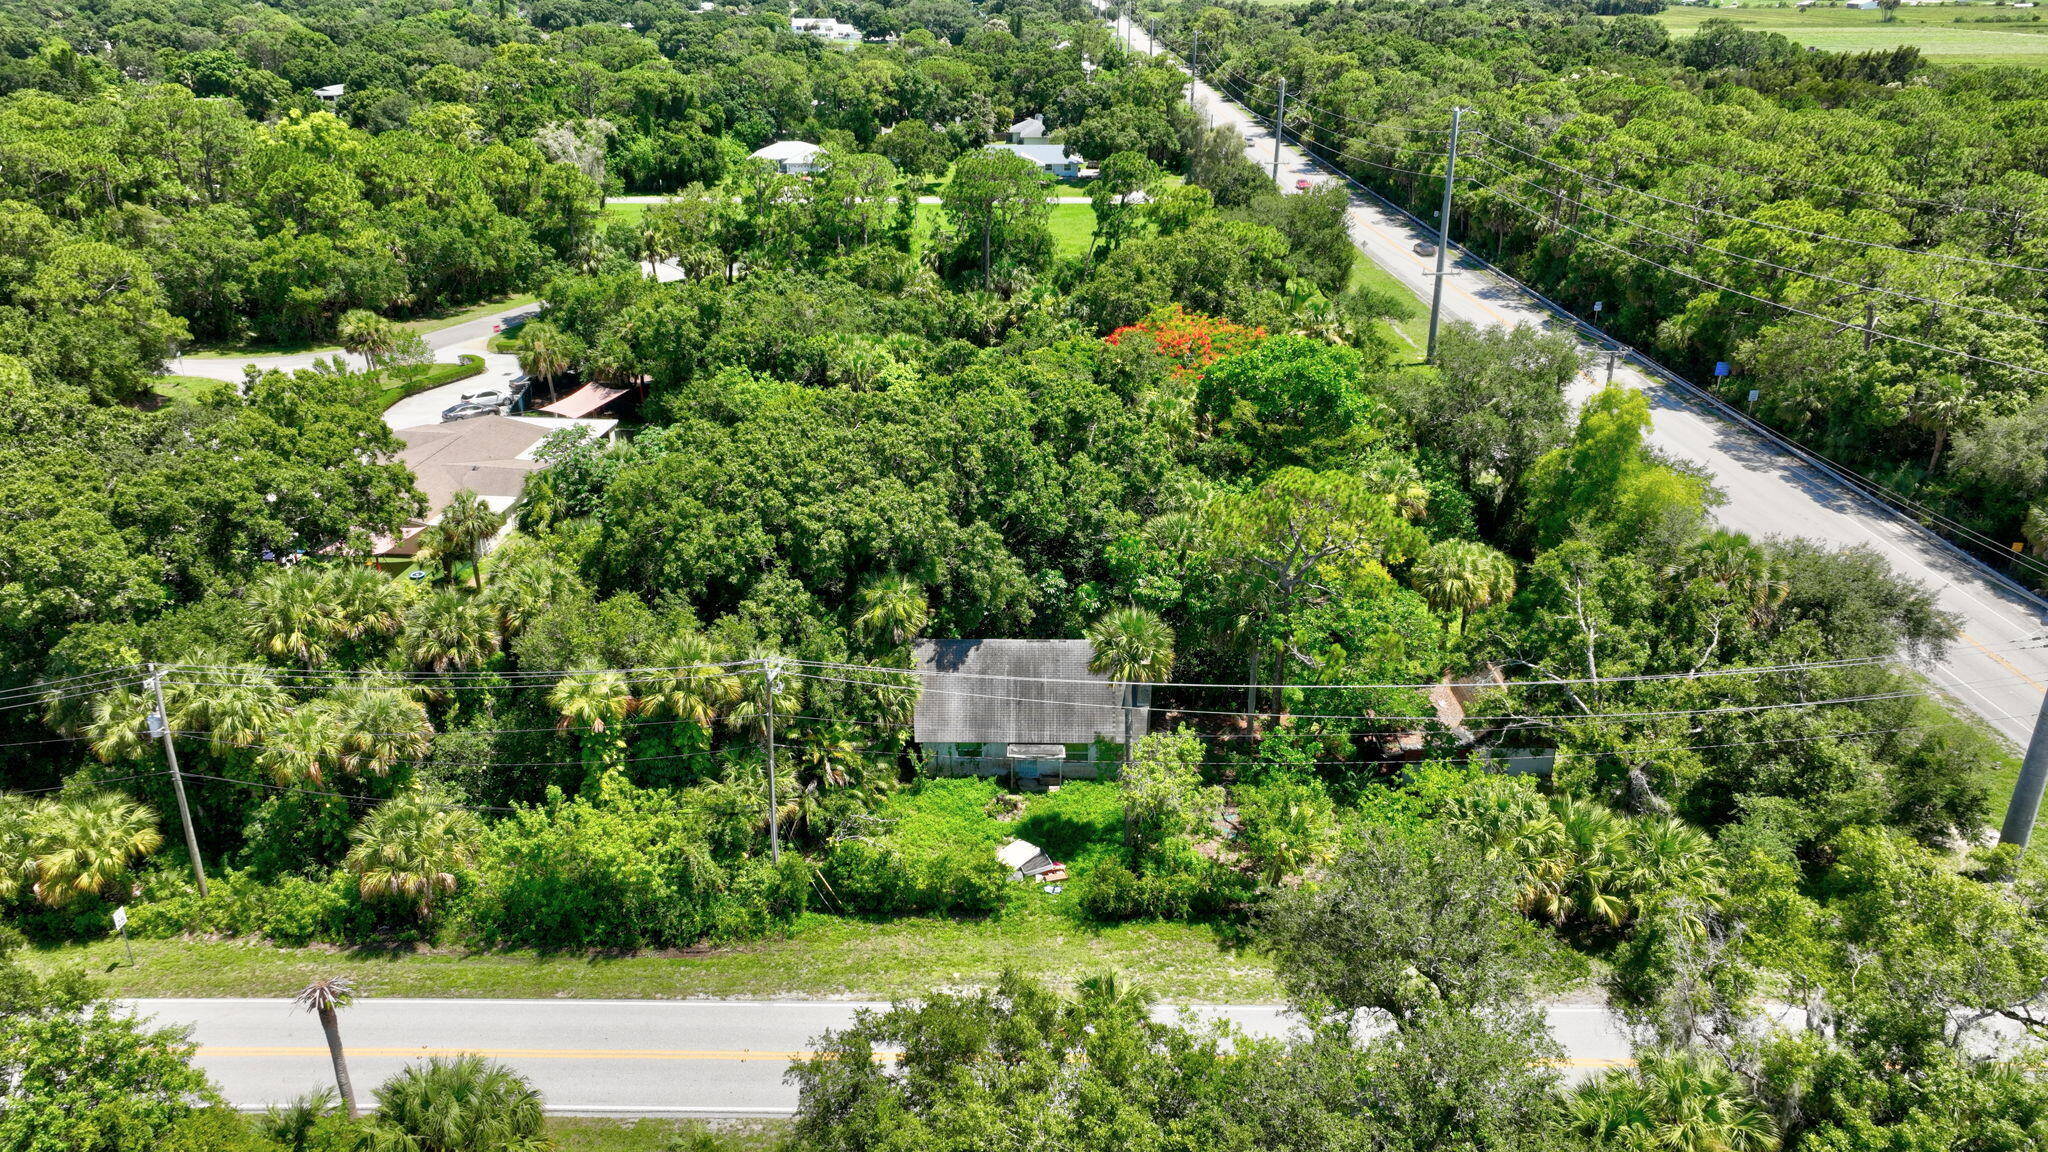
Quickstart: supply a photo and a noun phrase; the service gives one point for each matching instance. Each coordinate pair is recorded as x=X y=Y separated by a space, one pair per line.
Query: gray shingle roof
x=1016 y=692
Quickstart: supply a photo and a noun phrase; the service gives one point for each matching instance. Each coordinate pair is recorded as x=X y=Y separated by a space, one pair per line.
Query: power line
x=1687 y=162
x=1844 y=324
x=1928 y=253
x=1689 y=241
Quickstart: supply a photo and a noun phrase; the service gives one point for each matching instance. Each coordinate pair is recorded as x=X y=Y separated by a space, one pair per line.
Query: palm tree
x=366 y=334
x=1941 y=404
x=83 y=846
x=412 y=847
x=1680 y=1102
x=17 y=837
x=1132 y=646
x=324 y=998
x=118 y=729
x=1463 y=575
x=365 y=602
x=591 y=701
x=692 y=687
x=292 y=615
x=292 y=1125
x=892 y=609
x=302 y=746
x=382 y=726
x=523 y=587
x=448 y=632
x=466 y=526
x=458 y=1104
x=546 y=352
x=234 y=708
x=826 y=755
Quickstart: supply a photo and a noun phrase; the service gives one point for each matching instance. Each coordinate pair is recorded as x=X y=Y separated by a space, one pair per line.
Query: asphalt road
x=616 y=1057
x=1996 y=667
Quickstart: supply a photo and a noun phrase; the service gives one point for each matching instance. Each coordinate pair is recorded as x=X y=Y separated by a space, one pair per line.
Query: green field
x=1933 y=28
x=1073 y=227
x=825 y=957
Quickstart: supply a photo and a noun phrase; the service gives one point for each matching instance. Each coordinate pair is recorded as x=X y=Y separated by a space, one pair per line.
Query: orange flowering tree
x=1191 y=340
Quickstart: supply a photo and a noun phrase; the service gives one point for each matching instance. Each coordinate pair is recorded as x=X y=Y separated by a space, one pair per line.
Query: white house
x=1029 y=131
x=790 y=157
x=1053 y=158
x=331 y=92
x=827 y=29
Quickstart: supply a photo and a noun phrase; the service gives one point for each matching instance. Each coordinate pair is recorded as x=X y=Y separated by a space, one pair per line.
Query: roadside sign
x=1752 y=395
x=1720 y=367
x=120 y=919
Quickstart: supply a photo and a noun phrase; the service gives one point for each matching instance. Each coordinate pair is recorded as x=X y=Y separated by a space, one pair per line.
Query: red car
x=1303 y=185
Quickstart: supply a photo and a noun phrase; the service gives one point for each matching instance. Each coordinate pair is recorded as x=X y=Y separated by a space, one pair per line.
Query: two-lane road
x=616 y=1057
x=1996 y=667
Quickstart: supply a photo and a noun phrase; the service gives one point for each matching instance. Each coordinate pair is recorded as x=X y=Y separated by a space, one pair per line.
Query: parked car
x=498 y=396
x=1424 y=248
x=464 y=409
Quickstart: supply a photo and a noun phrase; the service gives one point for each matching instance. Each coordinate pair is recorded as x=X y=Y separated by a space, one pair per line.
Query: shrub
x=460 y=1104
x=290 y=910
x=936 y=853
x=633 y=869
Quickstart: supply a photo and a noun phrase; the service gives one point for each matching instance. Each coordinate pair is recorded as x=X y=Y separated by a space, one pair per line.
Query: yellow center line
x=2009 y=665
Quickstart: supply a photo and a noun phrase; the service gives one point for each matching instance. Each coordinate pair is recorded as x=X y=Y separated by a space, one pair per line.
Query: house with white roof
x=1054 y=159
x=790 y=157
x=824 y=28
x=1030 y=130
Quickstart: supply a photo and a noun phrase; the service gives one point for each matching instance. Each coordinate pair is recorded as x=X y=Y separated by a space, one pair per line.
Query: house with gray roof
x=1026 y=709
x=1030 y=130
x=1052 y=158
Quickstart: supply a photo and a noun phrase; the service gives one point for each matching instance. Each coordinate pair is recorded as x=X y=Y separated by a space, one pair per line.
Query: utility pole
x=160 y=726
x=1611 y=354
x=1443 y=237
x=2026 y=791
x=1279 y=123
x=769 y=670
x=1194 y=66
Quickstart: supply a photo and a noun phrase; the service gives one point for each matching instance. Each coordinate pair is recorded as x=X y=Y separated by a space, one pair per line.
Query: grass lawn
x=826 y=957
x=409 y=379
x=1411 y=333
x=477 y=311
x=590 y=1134
x=187 y=389
x=1073 y=227
x=1934 y=29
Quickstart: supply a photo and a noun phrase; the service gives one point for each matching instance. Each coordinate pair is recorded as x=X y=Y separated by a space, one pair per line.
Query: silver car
x=464 y=409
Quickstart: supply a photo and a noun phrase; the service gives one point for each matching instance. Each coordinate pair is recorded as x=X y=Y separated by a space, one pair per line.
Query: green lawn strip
x=825 y=957
x=188 y=389
x=1073 y=227
x=476 y=311
x=411 y=379
x=593 y=1134
x=1412 y=333
x=1935 y=30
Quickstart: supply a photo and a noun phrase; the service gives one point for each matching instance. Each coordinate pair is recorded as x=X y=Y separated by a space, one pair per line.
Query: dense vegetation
x=1195 y=444
x=1860 y=237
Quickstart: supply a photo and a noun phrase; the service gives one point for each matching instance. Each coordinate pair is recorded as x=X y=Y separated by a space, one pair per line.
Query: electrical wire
x=1676 y=161
x=341 y=795
x=1843 y=324
x=1927 y=253
x=1692 y=242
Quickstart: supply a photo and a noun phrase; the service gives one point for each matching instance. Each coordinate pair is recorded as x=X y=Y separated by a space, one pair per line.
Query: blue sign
x=1720 y=367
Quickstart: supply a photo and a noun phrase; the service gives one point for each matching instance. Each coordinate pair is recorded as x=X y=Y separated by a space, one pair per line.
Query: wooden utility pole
x=160 y=726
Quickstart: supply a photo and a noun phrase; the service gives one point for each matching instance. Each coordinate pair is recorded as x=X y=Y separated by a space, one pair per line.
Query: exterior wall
x=970 y=760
